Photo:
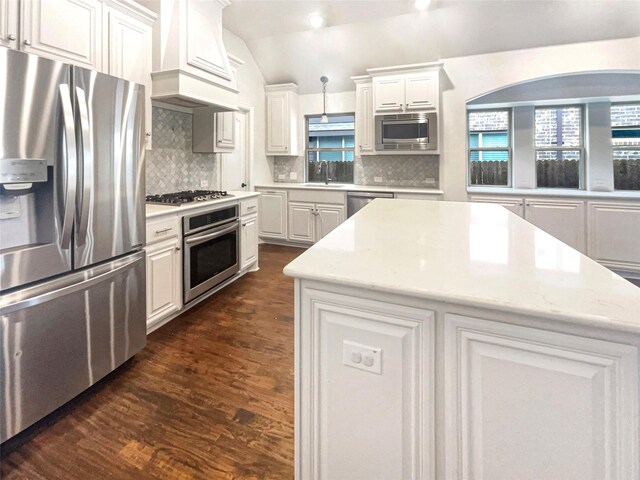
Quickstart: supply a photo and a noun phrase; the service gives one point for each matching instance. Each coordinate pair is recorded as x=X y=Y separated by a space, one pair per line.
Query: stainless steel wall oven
x=211 y=250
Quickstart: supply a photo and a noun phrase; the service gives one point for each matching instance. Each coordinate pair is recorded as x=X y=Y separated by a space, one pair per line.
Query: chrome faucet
x=326 y=171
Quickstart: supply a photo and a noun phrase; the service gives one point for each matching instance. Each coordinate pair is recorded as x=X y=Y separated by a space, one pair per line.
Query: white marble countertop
x=153 y=210
x=472 y=254
x=553 y=192
x=341 y=187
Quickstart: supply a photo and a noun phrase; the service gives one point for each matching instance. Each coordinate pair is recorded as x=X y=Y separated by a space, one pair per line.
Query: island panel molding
x=572 y=395
x=384 y=421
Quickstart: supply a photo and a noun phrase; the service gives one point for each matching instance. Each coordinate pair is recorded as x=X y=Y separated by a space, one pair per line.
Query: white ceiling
x=377 y=33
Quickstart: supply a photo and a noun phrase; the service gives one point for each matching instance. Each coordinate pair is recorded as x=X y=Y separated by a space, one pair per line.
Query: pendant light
x=325 y=117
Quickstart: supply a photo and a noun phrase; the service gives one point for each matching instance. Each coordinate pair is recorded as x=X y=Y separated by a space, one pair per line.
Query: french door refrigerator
x=72 y=280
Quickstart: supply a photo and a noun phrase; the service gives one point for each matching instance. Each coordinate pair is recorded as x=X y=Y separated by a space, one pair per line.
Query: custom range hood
x=191 y=67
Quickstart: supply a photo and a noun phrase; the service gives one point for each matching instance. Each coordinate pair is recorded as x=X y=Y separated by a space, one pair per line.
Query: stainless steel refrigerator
x=72 y=231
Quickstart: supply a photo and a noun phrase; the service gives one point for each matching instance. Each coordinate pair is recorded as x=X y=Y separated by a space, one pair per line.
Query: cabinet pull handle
x=251 y=207
x=11 y=37
x=164 y=230
x=27 y=42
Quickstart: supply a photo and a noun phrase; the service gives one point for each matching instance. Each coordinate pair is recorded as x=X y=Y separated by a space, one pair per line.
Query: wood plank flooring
x=211 y=396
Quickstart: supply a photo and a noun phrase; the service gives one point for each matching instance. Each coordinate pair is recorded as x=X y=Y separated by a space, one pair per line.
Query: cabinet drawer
x=316 y=196
x=162 y=229
x=248 y=206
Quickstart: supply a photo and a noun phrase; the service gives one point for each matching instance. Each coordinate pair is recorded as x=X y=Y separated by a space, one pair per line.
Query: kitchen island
x=456 y=340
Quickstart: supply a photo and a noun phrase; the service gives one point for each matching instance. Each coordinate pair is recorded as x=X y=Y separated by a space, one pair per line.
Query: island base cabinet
x=528 y=403
x=363 y=389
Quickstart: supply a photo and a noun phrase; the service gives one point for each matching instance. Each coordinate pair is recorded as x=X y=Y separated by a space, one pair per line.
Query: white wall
x=468 y=77
x=251 y=85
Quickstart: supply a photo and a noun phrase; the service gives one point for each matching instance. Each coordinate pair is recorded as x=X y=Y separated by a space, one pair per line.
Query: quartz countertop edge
x=155 y=210
x=341 y=187
x=557 y=192
x=471 y=254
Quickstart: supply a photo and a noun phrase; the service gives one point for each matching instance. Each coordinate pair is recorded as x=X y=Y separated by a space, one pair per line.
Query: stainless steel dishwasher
x=358 y=200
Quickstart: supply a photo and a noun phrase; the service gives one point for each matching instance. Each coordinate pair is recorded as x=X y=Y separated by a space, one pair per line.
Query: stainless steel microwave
x=413 y=131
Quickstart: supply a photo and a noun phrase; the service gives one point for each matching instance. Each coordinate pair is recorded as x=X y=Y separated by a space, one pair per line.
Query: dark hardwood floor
x=211 y=396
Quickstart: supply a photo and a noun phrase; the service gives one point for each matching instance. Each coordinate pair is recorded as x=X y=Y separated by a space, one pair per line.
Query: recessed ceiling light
x=316 y=20
x=422 y=4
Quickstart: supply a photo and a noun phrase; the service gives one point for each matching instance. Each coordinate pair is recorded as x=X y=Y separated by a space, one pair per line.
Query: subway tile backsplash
x=171 y=165
x=394 y=170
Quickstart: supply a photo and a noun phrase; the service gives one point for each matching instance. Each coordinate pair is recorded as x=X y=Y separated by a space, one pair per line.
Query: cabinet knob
x=27 y=42
x=148 y=134
x=11 y=37
x=177 y=249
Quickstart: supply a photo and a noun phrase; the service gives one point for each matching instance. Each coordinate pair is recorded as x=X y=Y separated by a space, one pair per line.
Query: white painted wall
x=251 y=85
x=468 y=77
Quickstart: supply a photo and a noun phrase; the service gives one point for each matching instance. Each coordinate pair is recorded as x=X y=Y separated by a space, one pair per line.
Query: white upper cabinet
x=65 y=30
x=282 y=119
x=412 y=90
x=365 y=144
x=127 y=47
x=9 y=23
x=205 y=49
x=225 y=137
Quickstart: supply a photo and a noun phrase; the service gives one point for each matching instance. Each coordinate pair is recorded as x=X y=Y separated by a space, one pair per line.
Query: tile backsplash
x=171 y=165
x=395 y=170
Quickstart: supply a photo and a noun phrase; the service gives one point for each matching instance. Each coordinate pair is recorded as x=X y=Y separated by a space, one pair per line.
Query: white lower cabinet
x=248 y=241
x=273 y=214
x=164 y=279
x=516 y=205
x=563 y=219
x=358 y=421
x=309 y=222
x=527 y=403
x=614 y=235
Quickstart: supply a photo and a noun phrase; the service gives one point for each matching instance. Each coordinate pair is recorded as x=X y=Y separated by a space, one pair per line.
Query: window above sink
x=330 y=149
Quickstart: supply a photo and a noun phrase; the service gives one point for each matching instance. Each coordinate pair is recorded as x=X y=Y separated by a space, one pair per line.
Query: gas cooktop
x=188 y=196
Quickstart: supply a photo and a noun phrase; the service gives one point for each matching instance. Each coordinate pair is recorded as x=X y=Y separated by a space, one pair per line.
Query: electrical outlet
x=430 y=181
x=293 y=175
x=363 y=357
x=281 y=176
x=204 y=183
x=377 y=179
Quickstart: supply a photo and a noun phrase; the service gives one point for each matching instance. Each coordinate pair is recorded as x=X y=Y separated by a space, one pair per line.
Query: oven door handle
x=198 y=239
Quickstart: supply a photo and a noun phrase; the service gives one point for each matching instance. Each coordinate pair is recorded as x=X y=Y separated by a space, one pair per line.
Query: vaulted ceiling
x=376 y=33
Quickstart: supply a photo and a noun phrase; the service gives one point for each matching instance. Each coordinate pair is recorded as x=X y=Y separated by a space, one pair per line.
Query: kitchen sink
x=322 y=185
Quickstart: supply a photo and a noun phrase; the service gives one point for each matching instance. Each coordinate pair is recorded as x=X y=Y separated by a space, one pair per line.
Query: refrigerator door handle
x=10 y=304
x=71 y=162
x=87 y=166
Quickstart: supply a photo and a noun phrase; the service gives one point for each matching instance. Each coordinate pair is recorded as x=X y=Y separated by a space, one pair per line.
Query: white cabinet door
x=9 y=23
x=359 y=422
x=388 y=94
x=516 y=205
x=528 y=403
x=225 y=131
x=205 y=49
x=364 y=119
x=64 y=30
x=302 y=218
x=273 y=214
x=128 y=50
x=614 y=234
x=164 y=282
x=563 y=219
x=277 y=123
x=421 y=91
x=248 y=241
x=329 y=217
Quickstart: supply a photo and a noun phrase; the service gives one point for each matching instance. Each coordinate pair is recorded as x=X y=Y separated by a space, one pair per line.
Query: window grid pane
x=330 y=149
x=625 y=138
x=489 y=141
x=558 y=168
x=558 y=127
